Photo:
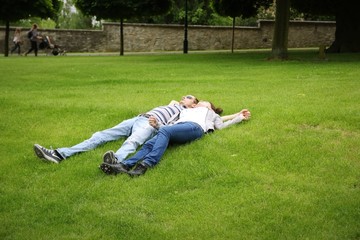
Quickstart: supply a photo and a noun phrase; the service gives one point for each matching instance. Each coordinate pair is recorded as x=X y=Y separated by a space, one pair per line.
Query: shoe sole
x=107 y=169
x=111 y=169
x=107 y=158
x=40 y=154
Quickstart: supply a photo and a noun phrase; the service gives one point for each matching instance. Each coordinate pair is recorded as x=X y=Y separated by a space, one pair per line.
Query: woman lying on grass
x=192 y=124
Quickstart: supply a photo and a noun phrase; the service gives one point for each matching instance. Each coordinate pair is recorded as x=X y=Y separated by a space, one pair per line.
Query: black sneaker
x=109 y=157
x=140 y=169
x=114 y=168
x=47 y=154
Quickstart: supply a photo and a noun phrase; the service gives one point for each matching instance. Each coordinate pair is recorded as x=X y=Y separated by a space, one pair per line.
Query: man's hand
x=153 y=122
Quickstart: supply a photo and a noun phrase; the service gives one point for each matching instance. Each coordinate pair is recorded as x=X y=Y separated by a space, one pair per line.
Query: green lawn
x=291 y=172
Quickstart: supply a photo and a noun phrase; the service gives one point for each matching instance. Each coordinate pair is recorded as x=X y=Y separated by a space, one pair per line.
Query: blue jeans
x=137 y=129
x=152 y=150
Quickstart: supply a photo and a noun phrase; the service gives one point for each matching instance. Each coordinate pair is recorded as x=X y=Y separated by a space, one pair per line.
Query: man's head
x=189 y=101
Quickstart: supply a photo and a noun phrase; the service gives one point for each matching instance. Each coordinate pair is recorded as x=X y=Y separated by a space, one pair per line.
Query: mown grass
x=292 y=172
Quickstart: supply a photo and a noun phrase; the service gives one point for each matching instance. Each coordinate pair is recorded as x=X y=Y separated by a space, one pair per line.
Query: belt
x=144 y=115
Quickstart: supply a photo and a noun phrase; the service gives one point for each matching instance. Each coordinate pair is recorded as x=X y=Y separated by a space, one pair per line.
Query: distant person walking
x=17 y=41
x=33 y=35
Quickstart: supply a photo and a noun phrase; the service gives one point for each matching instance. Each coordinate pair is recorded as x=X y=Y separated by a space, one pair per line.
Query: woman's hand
x=246 y=114
x=153 y=122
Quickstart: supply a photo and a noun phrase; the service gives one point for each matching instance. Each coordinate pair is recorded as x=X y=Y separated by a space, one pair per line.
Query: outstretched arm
x=245 y=113
x=232 y=119
x=229 y=117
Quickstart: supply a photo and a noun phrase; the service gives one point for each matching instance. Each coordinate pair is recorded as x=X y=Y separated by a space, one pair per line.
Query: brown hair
x=196 y=101
x=216 y=110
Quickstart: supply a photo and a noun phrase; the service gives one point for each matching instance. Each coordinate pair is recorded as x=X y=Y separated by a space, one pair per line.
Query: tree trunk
x=347 y=34
x=186 y=43
x=281 y=30
x=233 y=36
x=121 y=37
x=7 y=35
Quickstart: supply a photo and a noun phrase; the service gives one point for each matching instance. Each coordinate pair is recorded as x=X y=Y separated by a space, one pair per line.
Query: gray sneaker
x=109 y=157
x=50 y=155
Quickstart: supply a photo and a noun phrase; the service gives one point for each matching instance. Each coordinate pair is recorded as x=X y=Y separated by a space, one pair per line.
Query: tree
x=122 y=9
x=13 y=10
x=281 y=29
x=69 y=18
x=199 y=12
x=237 y=8
x=347 y=35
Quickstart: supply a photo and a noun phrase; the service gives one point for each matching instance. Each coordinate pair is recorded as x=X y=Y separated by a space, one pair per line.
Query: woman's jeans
x=152 y=151
x=137 y=129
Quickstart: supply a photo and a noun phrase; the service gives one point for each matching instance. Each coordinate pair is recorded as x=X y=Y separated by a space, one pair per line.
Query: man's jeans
x=152 y=150
x=137 y=129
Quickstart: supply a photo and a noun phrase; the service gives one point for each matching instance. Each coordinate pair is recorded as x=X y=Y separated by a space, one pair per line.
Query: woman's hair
x=34 y=26
x=216 y=110
x=196 y=101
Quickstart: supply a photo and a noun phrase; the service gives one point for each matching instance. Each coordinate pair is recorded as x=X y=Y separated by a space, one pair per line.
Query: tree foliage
x=237 y=8
x=347 y=35
x=106 y=9
x=70 y=18
x=122 y=9
x=14 y=10
x=199 y=12
x=319 y=7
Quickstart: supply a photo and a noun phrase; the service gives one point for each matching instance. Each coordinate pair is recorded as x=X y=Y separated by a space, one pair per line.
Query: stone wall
x=154 y=37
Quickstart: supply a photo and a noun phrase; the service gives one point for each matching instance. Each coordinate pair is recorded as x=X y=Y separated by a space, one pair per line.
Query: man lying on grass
x=137 y=130
x=192 y=124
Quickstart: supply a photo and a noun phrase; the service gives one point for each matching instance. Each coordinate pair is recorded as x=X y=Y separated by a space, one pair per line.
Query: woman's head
x=209 y=105
x=34 y=26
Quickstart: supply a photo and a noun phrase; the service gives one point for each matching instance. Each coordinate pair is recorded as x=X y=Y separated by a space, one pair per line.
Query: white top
x=206 y=118
x=17 y=37
x=196 y=115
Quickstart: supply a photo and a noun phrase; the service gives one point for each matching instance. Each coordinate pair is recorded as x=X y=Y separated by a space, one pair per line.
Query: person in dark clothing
x=33 y=40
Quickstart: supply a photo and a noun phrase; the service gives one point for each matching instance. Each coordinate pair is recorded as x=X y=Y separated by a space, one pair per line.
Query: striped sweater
x=164 y=113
